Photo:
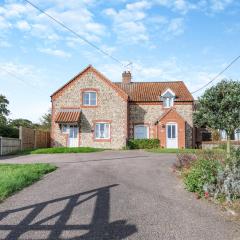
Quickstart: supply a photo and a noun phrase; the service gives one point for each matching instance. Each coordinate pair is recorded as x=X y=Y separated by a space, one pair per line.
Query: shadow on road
x=99 y=228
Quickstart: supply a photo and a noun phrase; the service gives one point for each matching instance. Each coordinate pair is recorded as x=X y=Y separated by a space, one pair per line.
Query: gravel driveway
x=111 y=195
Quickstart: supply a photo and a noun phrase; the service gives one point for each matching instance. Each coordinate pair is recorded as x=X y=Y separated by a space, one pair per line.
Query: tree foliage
x=219 y=107
x=45 y=121
x=3 y=110
x=21 y=122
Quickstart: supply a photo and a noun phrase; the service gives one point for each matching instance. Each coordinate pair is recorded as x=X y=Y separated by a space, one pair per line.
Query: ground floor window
x=141 y=132
x=102 y=131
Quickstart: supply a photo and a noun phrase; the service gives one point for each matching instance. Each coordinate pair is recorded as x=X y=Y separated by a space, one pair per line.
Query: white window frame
x=141 y=125
x=89 y=103
x=168 y=101
x=109 y=131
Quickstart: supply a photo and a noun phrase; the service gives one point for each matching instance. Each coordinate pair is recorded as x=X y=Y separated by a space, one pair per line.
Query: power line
x=219 y=74
x=75 y=33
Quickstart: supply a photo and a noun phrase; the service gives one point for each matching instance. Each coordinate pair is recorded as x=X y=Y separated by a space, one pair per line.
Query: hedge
x=143 y=143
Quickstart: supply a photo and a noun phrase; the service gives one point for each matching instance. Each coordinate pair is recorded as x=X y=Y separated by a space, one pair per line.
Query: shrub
x=8 y=131
x=228 y=179
x=216 y=154
x=184 y=160
x=202 y=176
x=143 y=143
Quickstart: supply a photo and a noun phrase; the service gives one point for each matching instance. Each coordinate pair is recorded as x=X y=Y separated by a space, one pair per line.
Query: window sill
x=102 y=140
x=86 y=106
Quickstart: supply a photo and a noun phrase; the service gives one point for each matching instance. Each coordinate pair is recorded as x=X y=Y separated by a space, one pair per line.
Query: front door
x=73 y=136
x=172 y=136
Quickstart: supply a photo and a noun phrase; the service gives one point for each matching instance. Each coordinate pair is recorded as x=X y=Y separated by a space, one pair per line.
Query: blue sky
x=166 y=40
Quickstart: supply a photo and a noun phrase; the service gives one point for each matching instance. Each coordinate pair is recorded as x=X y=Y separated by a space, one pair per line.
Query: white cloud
x=55 y=52
x=4 y=24
x=182 y=6
x=74 y=14
x=23 y=25
x=176 y=26
x=220 y=5
x=128 y=23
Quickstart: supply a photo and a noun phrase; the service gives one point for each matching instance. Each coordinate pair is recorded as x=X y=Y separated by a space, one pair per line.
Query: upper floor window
x=89 y=98
x=168 y=102
x=168 y=98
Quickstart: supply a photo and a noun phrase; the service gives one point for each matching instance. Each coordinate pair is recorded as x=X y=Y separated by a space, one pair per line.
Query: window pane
x=107 y=130
x=102 y=128
x=140 y=132
x=169 y=131
x=168 y=102
x=64 y=128
x=86 y=98
x=93 y=99
x=173 y=131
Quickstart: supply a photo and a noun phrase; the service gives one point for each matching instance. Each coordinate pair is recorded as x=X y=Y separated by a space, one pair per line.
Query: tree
x=219 y=108
x=4 y=112
x=45 y=120
x=21 y=122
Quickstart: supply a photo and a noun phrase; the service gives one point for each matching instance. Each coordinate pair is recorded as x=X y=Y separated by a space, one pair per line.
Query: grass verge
x=172 y=150
x=14 y=177
x=61 y=150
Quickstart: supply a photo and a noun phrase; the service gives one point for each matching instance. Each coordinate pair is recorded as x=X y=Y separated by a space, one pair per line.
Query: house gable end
x=88 y=69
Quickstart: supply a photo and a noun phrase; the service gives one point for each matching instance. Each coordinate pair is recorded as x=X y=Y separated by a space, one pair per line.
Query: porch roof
x=68 y=117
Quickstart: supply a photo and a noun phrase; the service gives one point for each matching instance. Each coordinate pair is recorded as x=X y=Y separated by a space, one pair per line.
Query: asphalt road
x=111 y=195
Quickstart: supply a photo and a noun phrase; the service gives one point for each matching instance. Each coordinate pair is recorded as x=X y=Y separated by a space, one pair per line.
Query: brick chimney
x=126 y=77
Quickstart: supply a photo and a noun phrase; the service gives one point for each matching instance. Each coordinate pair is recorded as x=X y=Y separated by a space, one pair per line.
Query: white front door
x=73 y=136
x=172 y=136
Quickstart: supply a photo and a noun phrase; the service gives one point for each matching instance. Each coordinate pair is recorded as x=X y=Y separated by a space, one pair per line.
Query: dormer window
x=168 y=98
x=168 y=102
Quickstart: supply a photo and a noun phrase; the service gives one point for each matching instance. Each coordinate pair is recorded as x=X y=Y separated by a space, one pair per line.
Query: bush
x=143 y=143
x=202 y=176
x=184 y=160
x=228 y=179
x=8 y=131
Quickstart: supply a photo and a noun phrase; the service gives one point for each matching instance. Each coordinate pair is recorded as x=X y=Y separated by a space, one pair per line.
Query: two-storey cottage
x=90 y=110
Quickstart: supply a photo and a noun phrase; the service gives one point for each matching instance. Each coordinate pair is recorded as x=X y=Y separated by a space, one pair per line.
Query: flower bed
x=211 y=174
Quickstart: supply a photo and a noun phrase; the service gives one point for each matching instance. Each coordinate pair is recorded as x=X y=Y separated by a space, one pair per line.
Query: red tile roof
x=68 y=117
x=151 y=91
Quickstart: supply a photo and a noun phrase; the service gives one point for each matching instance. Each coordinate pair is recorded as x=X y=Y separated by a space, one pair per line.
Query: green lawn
x=14 y=177
x=61 y=150
x=172 y=150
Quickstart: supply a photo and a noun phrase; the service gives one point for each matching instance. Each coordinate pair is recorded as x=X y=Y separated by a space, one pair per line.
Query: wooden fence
x=9 y=145
x=28 y=139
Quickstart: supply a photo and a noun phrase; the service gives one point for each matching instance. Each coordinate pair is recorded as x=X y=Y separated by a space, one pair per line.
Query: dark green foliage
x=45 y=121
x=14 y=177
x=4 y=106
x=7 y=131
x=218 y=108
x=21 y=122
x=202 y=174
x=143 y=143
